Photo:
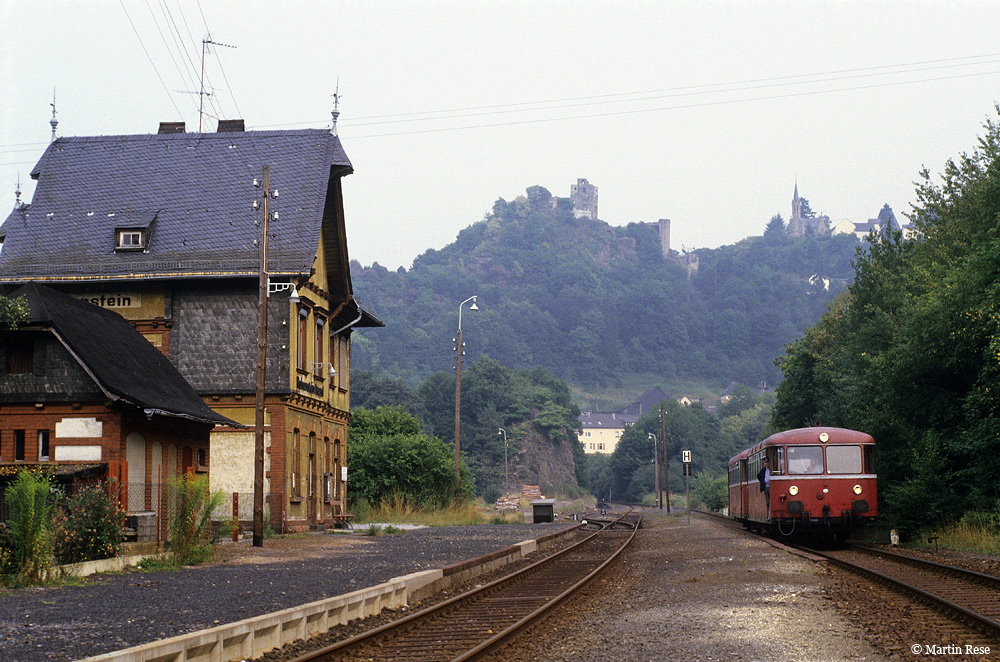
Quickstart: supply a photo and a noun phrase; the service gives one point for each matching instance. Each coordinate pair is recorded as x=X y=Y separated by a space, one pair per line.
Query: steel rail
x=965 y=573
x=983 y=622
x=534 y=604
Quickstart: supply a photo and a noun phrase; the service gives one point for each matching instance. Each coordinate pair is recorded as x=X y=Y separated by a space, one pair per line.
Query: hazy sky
x=706 y=113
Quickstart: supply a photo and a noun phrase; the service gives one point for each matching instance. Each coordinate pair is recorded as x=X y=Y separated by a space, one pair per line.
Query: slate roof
x=193 y=193
x=627 y=415
x=123 y=363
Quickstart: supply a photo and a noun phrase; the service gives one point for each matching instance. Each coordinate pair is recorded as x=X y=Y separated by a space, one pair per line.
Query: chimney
x=227 y=126
x=171 y=127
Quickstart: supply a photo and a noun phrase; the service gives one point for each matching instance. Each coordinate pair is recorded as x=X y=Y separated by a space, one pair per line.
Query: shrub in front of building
x=88 y=526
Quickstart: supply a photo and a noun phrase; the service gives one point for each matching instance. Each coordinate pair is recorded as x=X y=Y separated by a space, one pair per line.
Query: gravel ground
x=111 y=612
x=700 y=592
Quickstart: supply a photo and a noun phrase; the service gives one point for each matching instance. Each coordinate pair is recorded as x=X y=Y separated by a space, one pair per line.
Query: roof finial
x=17 y=193
x=53 y=122
x=335 y=113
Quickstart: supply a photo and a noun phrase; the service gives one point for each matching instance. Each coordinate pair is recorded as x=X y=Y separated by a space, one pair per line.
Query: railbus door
x=744 y=486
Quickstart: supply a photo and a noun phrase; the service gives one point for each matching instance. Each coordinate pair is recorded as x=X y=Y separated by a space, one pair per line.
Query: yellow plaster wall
x=231 y=469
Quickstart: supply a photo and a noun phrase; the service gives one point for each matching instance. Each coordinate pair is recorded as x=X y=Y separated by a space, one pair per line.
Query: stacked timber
x=529 y=493
x=508 y=502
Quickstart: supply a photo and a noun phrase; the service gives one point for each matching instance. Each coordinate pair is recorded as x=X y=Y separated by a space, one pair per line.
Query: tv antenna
x=201 y=95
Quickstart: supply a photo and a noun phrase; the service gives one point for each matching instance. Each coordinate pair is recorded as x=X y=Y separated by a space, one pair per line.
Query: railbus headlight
x=857 y=489
x=793 y=490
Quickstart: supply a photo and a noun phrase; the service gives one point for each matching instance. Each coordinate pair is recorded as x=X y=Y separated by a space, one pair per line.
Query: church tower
x=796 y=228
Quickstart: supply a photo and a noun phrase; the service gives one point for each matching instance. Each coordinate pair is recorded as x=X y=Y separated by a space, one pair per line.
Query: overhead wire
x=898 y=69
x=149 y=57
x=702 y=104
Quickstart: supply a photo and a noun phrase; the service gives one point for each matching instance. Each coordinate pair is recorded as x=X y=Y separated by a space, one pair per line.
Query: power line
x=668 y=108
x=655 y=94
x=148 y=57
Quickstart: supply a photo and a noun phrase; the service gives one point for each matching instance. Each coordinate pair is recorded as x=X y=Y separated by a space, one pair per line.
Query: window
x=43 y=445
x=19 y=445
x=302 y=353
x=130 y=240
x=343 y=345
x=805 y=460
x=20 y=355
x=843 y=459
x=296 y=466
x=319 y=347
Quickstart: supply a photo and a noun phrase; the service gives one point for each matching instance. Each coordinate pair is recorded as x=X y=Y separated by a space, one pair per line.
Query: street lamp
x=656 y=468
x=506 y=475
x=459 y=351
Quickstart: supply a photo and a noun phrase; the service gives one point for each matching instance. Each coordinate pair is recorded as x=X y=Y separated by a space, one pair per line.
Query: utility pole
x=663 y=438
x=656 y=469
x=258 y=448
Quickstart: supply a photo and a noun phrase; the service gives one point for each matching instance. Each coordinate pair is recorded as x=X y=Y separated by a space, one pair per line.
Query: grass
x=400 y=511
x=975 y=532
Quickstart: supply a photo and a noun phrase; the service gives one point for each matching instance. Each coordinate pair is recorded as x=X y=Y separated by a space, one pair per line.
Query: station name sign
x=113 y=300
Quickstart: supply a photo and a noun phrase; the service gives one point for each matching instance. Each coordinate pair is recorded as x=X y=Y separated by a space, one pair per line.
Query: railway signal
x=686 y=459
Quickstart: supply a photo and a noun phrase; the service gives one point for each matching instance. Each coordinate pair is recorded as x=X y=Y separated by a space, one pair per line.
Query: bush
x=29 y=527
x=418 y=467
x=191 y=506
x=88 y=526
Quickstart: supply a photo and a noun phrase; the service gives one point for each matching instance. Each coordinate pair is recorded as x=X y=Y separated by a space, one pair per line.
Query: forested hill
x=596 y=305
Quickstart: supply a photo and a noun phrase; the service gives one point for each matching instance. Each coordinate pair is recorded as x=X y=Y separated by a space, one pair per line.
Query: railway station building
x=164 y=229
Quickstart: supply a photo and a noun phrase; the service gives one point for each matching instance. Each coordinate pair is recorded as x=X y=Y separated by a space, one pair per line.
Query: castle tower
x=664 y=225
x=584 y=197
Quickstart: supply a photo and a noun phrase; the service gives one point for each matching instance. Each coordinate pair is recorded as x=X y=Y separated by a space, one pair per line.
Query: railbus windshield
x=805 y=460
x=844 y=460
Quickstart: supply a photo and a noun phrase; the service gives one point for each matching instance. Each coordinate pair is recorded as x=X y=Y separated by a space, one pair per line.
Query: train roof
x=808 y=436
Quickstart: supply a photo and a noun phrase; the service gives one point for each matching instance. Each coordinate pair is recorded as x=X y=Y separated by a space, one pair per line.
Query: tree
x=775 y=227
x=389 y=458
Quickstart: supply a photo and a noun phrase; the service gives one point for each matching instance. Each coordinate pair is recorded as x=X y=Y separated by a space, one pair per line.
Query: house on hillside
x=886 y=219
x=84 y=395
x=601 y=430
x=164 y=229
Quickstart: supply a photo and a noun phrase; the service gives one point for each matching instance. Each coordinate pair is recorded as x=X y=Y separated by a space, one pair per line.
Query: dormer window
x=132 y=230
x=131 y=239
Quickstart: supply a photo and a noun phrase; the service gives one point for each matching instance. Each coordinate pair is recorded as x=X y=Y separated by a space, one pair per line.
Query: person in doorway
x=764 y=477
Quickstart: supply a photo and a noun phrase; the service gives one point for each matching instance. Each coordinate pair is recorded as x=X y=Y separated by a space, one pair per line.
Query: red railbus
x=822 y=483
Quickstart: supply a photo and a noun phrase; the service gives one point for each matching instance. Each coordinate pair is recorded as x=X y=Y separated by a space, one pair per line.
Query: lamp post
x=656 y=468
x=506 y=474
x=459 y=351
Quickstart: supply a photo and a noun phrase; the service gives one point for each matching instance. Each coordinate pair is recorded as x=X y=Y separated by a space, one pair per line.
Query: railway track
x=972 y=598
x=472 y=625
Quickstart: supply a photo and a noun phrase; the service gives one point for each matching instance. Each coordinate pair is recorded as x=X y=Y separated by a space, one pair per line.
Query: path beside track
x=700 y=592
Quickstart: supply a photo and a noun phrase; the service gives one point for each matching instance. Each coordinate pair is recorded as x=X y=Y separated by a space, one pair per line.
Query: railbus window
x=776 y=459
x=843 y=460
x=869 y=459
x=805 y=460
